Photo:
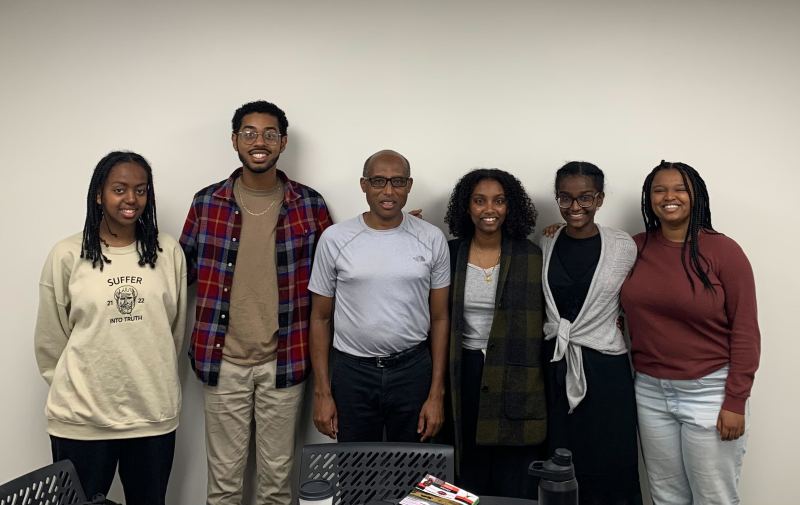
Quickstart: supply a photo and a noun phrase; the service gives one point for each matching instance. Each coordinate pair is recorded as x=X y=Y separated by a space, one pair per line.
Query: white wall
x=520 y=85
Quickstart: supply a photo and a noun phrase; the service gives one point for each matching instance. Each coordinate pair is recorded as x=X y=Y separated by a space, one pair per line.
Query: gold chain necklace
x=256 y=214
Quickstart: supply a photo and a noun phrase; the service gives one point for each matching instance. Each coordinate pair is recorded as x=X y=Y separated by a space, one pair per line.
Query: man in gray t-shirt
x=389 y=275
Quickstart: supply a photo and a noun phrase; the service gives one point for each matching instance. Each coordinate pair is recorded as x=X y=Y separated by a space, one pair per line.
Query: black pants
x=370 y=399
x=144 y=465
x=490 y=470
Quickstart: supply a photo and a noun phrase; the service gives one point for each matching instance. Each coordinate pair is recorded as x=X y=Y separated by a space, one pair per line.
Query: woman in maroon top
x=691 y=309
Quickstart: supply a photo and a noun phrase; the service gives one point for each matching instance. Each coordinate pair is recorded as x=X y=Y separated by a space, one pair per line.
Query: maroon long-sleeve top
x=677 y=333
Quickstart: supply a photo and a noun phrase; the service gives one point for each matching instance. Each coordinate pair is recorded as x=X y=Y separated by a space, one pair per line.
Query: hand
x=550 y=230
x=730 y=425
x=325 y=418
x=416 y=213
x=431 y=418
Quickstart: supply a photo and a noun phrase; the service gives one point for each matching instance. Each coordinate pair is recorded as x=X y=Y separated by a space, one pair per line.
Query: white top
x=478 y=306
x=381 y=280
x=107 y=341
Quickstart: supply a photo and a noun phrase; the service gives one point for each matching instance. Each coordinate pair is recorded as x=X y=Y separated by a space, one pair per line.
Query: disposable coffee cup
x=316 y=492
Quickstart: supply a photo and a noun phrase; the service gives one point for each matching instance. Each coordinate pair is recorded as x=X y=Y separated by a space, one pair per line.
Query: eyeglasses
x=249 y=136
x=380 y=182
x=584 y=201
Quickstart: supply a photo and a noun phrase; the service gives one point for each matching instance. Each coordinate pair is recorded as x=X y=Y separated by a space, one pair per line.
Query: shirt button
x=222 y=316
x=236 y=212
x=225 y=289
x=230 y=264
x=217 y=346
x=234 y=239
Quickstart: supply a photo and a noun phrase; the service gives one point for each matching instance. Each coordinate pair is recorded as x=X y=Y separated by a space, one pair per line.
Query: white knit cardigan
x=596 y=324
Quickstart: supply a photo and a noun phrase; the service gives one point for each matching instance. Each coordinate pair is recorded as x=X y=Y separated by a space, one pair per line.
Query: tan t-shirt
x=251 y=337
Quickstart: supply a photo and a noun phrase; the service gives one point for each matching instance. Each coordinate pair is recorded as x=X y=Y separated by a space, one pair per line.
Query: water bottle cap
x=562 y=457
x=557 y=469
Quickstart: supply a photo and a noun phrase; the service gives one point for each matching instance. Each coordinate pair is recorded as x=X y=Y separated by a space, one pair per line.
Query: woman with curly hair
x=690 y=302
x=590 y=400
x=496 y=383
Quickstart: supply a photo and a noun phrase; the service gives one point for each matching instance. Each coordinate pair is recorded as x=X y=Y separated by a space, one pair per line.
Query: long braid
x=699 y=219
x=147 y=245
x=147 y=228
x=90 y=245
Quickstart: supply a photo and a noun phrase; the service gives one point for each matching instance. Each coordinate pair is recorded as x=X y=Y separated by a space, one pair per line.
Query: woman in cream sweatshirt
x=112 y=306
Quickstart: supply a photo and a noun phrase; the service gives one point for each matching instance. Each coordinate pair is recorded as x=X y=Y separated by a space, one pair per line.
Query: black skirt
x=601 y=431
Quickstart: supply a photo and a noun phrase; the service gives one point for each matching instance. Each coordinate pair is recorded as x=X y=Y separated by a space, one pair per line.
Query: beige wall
x=523 y=86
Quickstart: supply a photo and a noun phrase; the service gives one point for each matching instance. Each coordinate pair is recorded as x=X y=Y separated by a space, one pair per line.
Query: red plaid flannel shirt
x=210 y=240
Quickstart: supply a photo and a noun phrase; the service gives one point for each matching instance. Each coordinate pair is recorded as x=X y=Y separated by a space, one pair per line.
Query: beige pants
x=245 y=393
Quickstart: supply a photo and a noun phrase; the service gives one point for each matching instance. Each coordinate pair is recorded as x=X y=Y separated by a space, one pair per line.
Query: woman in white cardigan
x=591 y=408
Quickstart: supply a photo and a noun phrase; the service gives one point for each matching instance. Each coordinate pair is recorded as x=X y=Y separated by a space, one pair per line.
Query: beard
x=258 y=169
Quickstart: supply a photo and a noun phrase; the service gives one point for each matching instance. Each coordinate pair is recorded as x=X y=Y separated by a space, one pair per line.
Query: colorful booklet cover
x=434 y=491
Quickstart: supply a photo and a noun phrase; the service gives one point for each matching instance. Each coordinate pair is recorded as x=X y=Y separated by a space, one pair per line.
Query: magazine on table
x=434 y=491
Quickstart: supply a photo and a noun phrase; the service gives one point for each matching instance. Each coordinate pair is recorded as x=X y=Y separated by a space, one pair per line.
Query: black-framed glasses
x=380 y=182
x=584 y=201
x=249 y=135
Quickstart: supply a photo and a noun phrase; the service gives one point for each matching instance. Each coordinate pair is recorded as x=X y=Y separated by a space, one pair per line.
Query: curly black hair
x=146 y=227
x=260 y=107
x=699 y=217
x=521 y=213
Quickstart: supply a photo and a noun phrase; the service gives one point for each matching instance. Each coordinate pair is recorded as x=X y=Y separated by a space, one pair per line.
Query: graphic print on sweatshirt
x=125 y=298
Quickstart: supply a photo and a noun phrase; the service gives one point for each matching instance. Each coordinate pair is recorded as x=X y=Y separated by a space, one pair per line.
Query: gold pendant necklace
x=487 y=273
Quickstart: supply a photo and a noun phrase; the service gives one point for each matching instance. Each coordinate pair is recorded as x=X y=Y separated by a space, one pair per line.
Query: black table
x=485 y=500
x=502 y=500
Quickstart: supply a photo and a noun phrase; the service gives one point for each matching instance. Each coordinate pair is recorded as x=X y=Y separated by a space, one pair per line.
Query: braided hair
x=521 y=214
x=699 y=218
x=146 y=227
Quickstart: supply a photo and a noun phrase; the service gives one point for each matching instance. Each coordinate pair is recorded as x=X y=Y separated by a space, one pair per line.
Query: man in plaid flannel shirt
x=249 y=243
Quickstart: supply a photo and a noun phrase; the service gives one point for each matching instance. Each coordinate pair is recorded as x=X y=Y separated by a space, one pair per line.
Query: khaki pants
x=242 y=394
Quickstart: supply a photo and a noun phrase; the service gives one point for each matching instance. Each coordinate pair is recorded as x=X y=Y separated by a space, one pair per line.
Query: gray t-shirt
x=381 y=280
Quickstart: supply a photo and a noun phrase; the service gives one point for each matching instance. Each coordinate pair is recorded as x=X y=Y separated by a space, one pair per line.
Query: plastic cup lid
x=317 y=489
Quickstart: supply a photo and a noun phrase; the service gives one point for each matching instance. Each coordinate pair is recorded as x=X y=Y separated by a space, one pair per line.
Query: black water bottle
x=557 y=484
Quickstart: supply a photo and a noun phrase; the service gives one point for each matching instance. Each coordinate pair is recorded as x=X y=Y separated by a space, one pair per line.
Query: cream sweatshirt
x=107 y=341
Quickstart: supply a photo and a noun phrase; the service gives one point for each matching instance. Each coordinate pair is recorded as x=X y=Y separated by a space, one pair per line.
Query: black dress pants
x=370 y=399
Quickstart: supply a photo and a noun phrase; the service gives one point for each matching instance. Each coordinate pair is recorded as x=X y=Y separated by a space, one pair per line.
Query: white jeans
x=687 y=463
x=244 y=394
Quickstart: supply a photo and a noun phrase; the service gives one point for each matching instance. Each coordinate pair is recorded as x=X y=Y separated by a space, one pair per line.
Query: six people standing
x=536 y=349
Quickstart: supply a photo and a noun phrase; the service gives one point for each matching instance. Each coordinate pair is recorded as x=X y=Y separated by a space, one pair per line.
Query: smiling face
x=580 y=220
x=123 y=198
x=258 y=157
x=386 y=203
x=488 y=207
x=670 y=199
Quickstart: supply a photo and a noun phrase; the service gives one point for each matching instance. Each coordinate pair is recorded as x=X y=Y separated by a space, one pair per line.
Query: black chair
x=55 y=484
x=363 y=472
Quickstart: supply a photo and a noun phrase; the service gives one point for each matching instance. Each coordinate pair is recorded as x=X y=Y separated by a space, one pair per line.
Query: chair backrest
x=55 y=484
x=373 y=471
